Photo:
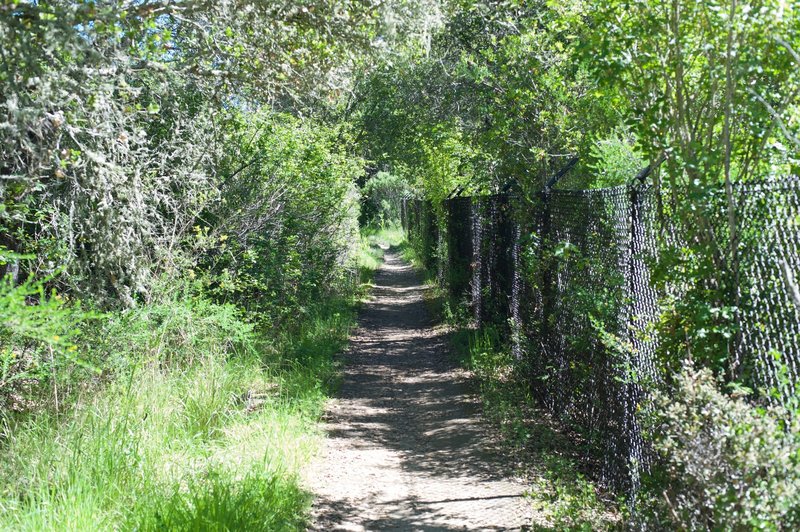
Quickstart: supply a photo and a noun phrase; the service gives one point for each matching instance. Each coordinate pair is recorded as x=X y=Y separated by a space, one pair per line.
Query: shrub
x=286 y=232
x=179 y=329
x=38 y=335
x=723 y=462
x=616 y=159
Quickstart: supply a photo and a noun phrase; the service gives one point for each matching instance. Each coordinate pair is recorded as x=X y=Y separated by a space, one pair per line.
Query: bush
x=616 y=159
x=122 y=122
x=723 y=462
x=286 y=232
x=38 y=335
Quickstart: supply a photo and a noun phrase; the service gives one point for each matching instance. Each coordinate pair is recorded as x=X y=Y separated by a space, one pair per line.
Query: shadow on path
x=406 y=449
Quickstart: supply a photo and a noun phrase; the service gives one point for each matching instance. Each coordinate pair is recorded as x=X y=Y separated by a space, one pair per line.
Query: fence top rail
x=619 y=190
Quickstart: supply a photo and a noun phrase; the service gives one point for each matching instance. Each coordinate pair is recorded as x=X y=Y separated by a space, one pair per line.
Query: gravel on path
x=406 y=448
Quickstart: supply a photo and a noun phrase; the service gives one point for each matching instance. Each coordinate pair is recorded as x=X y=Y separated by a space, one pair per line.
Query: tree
x=712 y=85
x=118 y=118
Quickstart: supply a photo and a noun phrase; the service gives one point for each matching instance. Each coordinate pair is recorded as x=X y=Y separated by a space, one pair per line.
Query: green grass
x=216 y=445
x=369 y=256
x=198 y=422
x=387 y=236
x=158 y=444
x=375 y=241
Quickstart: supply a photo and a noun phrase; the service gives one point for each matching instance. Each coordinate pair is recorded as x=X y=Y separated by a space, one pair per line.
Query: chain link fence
x=568 y=279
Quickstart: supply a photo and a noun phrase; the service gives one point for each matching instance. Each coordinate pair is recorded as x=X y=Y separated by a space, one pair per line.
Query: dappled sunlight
x=406 y=445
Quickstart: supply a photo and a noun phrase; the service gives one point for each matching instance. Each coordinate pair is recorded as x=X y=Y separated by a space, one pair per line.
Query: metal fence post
x=636 y=205
x=476 y=265
x=546 y=264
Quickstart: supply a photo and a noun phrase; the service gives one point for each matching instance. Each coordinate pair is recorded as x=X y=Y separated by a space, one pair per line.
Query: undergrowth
x=563 y=495
x=186 y=416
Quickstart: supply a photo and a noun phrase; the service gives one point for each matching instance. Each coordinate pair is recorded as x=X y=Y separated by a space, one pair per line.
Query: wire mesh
x=419 y=221
x=570 y=276
x=458 y=214
x=769 y=234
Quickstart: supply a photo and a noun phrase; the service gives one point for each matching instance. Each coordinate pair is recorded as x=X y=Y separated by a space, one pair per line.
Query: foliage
x=569 y=500
x=285 y=229
x=122 y=118
x=109 y=145
x=498 y=100
x=510 y=90
x=693 y=72
x=725 y=463
x=187 y=168
x=712 y=86
x=382 y=197
x=267 y=250
x=616 y=160
x=217 y=502
x=36 y=340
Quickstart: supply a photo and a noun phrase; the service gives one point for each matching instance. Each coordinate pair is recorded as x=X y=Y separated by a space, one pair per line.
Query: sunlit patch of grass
x=385 y=237
x=166 y=448
x=375 y=241
x=218 y=500
x=392 y=236
x=215 y=443
x=368 y=260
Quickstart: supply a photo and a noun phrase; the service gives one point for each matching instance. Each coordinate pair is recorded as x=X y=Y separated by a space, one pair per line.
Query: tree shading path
x=406 y=449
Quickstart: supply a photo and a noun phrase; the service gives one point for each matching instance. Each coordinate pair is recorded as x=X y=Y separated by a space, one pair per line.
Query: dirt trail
x=406 y=449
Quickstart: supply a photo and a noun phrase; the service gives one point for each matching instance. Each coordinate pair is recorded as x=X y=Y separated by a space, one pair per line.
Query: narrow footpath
x=406 y=449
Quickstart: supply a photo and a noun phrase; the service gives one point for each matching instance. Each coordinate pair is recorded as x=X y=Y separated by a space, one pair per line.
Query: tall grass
x=197 y=422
